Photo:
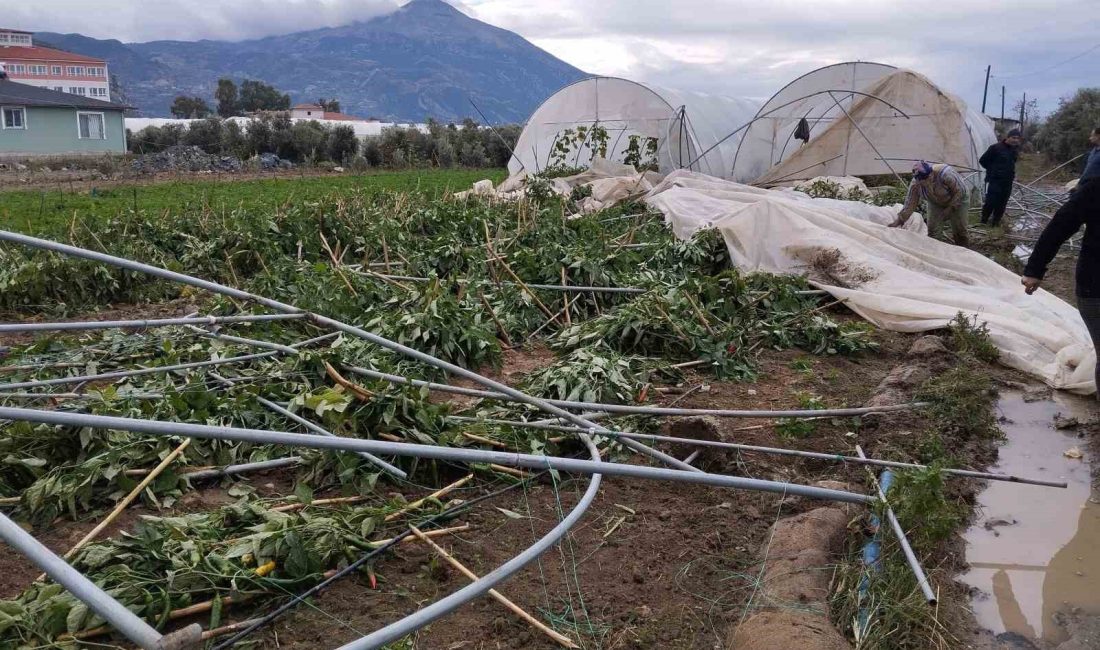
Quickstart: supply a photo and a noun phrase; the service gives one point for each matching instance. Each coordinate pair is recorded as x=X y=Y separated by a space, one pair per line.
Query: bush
x=342 y=144
x=473 y=155
x=1065 y=133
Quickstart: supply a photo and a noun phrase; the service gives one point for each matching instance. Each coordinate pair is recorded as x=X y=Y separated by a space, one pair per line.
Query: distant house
x=39 y=121
x=318 y=112
x=46 y=67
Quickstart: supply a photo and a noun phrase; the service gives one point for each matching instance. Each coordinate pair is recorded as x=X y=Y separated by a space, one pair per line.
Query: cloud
x=737 y=47
x=146 y=20
x=752 y=49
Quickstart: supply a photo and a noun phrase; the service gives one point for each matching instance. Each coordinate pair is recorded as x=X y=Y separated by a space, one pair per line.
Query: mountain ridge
x=425 y=60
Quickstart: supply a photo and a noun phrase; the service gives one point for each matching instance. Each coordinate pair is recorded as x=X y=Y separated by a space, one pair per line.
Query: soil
x=80 y=180
x=651 y=565
x=171 y=309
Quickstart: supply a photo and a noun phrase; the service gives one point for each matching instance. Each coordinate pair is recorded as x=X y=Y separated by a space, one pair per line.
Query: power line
x=1049 y=68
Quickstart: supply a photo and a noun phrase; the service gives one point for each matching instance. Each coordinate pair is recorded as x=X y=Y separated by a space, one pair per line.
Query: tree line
x=252 y=96
x=443 y=145
x=1064 y=135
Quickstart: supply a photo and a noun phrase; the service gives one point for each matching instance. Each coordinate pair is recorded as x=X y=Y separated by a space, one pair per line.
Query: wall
x=54 y=131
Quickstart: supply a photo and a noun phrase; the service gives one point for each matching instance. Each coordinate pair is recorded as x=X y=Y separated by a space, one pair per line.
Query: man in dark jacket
x=1082 y=208
x=999 y=162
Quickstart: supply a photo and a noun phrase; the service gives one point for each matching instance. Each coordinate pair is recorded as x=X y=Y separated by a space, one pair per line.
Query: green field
x=48 y=212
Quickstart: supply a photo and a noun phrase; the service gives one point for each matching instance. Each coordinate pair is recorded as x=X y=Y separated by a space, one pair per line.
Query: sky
x=1045 y=48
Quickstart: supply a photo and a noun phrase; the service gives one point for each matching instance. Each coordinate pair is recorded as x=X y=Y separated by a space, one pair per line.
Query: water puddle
x=1035 y=551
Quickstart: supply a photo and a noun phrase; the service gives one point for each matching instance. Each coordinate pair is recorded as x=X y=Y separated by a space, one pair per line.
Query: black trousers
x=1090 y=313
x=996 y=200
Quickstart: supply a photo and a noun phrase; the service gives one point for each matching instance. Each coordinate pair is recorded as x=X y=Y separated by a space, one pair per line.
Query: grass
x=49 y=212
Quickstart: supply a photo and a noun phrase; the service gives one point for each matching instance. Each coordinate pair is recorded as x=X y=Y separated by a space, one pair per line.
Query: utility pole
x=1002 y=103
x=1023 y=105
x=985 y=93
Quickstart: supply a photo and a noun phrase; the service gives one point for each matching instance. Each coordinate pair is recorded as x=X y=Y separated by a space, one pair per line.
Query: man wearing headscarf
x=944 y=194
x=999 y=162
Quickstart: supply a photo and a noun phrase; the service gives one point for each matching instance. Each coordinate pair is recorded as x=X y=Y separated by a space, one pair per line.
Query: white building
x=45 y=67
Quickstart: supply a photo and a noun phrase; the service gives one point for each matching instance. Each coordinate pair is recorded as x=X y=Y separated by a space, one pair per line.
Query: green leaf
x=304 y=493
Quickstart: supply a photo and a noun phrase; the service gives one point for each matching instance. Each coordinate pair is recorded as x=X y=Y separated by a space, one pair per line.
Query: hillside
x=427 y=59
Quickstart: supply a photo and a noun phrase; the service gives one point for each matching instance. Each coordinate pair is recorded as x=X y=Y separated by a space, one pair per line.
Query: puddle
x=1035 y=551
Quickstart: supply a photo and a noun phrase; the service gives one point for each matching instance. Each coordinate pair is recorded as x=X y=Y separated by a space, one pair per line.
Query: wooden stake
x=126 y=501
x=518 y=473
x=434 y=495
x=291 y=507
x=357 y=390
x=432 y=533
x=385 y=253
x=493 y=315
x=471 y=436
x=336 y=264
x=516 y=609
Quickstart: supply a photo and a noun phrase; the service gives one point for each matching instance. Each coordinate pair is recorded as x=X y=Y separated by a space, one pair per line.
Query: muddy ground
x=651 y=565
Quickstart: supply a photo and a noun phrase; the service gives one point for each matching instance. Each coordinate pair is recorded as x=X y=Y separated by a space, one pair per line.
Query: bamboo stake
x=174 y=615
x=523 y=285
x=516 y=609
x=434 y=495
x=291 y=507
x=336 y=265
x=471 y=436
x=512 y=471
x=357 y=390
x=493 y=315
x=126 y=501
x=431 y=533
x=385 y=253
x=226 y=630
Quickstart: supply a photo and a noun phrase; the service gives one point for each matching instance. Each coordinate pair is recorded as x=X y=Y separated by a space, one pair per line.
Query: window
x=98 y=92
x=59 y=89
x=90 y=126
x=56 y=70
x=22 y=39
x=75 y=71
x=78 y=90
x=14 y=117
x=40 y=70
x=95 y=72
x=18 y=68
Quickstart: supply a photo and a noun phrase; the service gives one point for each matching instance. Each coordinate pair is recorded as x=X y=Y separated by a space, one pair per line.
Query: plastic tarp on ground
x=940 y=127
x=684 y=125
x=898 y=279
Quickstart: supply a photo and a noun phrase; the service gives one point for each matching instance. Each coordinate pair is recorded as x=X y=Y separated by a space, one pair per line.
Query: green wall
x=54 y=131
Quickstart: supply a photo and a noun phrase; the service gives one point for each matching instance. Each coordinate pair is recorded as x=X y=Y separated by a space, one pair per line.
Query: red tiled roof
x=36 y=53
x=306 y=107
x=342 y=117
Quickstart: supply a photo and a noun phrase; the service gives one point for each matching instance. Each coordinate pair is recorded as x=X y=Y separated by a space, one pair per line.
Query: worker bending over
x=999 y=161
x=946 y=198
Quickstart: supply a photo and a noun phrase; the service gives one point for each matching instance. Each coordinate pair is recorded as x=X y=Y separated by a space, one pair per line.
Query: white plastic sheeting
x=898 y=279
x=685 y=125
x=940 y=127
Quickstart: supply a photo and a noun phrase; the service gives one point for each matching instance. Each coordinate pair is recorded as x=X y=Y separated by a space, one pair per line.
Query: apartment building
x=44 y=67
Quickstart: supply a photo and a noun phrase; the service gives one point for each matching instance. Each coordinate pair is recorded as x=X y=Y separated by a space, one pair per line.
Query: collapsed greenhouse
x=634 y=123
x=853 y=119
x=859 y=119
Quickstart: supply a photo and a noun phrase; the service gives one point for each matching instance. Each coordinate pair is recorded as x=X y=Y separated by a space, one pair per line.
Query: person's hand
x=1030 y=284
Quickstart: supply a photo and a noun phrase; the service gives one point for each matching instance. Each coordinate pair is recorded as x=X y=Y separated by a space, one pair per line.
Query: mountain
x=425 y=60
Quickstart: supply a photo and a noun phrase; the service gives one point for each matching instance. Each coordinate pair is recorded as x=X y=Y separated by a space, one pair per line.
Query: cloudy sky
x=1046 y=48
